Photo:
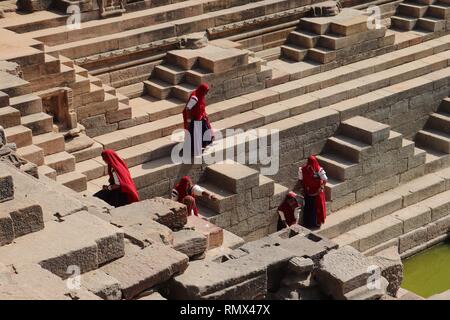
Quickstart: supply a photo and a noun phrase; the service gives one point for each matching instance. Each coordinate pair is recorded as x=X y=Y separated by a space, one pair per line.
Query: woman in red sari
x=288 y=211
x=194 y=116
x=312 y=183
x=186 y=191
x=121 y=189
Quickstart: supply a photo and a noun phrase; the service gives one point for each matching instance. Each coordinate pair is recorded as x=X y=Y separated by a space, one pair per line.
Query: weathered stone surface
x=190 y=242
x=213 y=280
x=101 y=284
x=391 y=266
x=342 y=271
x=61 y=244
x=214 y=234
x=300 y=265
x=31 y=282
x=366 y=293
x=142 y=269
x=170 y=213
x=148 y=232
x=6 y=187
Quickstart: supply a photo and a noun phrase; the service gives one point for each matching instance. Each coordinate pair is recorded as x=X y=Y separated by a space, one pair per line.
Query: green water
x=428 y=272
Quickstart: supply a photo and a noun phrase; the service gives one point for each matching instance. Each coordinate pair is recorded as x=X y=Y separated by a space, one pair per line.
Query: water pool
x=428 y=272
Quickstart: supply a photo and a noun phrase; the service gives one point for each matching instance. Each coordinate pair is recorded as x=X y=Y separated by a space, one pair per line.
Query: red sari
x=127 y=185
x=184 y=193
x=288 y=210
x=312 y=185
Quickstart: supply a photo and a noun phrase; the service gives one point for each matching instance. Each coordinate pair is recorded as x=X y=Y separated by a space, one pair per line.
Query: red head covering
x=198 y=112
x=120 y=167
x=182 y=189
x=312 y=161
x=287 y=209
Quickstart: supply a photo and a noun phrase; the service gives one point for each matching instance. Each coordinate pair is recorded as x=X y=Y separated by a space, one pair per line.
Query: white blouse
x=196 y=191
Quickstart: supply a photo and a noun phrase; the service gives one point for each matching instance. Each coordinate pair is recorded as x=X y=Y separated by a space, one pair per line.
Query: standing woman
x=196 y=120
x=288 y=211
x=121 y=189
x=312 y=182
x=185 y=192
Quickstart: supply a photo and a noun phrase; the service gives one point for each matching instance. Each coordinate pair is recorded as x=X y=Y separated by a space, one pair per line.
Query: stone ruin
x=371 y=102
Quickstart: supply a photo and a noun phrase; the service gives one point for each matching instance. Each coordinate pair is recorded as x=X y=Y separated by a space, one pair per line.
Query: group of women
x=308 y=208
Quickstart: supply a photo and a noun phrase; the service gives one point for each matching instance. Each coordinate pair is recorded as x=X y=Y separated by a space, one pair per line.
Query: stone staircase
x=435 y=137
x=337 y=88
x=324 y=40
x=229 y=71
x=428 y=15
x=246 y=200
x=41 y=245
x=364 y=159
x=412 y=216
x=35 y=123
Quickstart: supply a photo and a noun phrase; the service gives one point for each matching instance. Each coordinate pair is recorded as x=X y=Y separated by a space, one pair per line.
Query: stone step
x=303 y=38
x=32 y=153
x=439 y=122
x=349 y=26
x=321 y=55
x=413 y=204
x=121 y=37
x=13 y=86
x=67 y=75
x=95 y=94
x=47 y=172
x=158 y=88
x=92 y=168
x=182 y=91
x=403 y=22
x=413 y=10
x=9 y=117
x=294 y=52
x=226 y=200
x=93 y=151
x=365 y=130
x=445 y=106
x=27 y=104
x=138 y=270
x=434 y=139
x=141 y=133
x=158 y=109
x=39 y=123
x=316 y=26
x=4 y=100
x=124 y=138
x=439 y=10
x=73 y=180
x=60 y=245
x=338 y=167
x=19 y=219
x=431 y=24
x=234 y=178
x=62 y=162
x=169 y=73
x=50 y=142
x=81 y=85
x=349 y=148
x=20 y=135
